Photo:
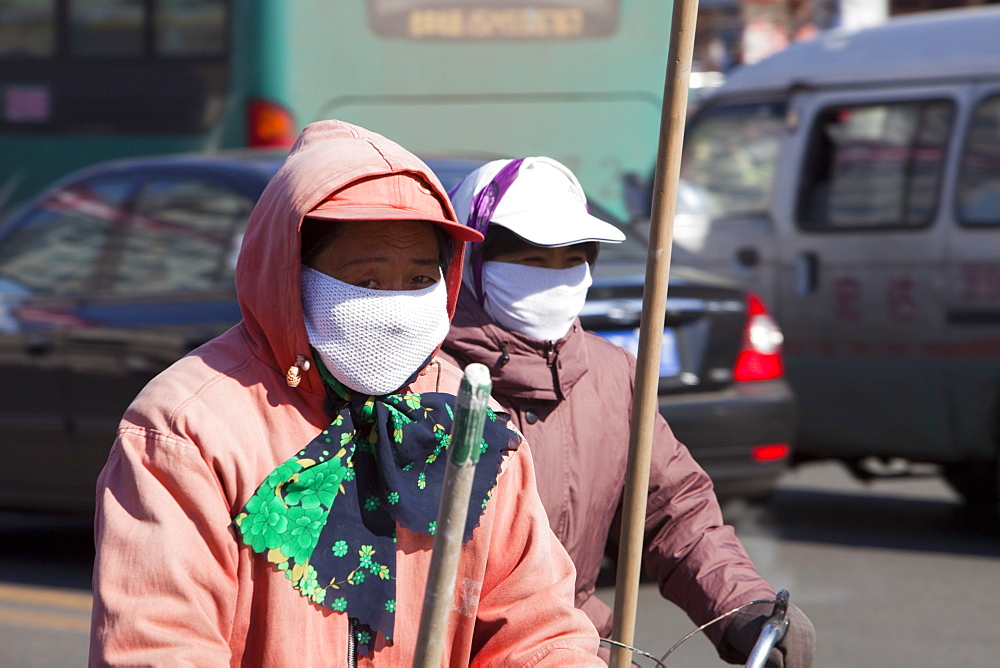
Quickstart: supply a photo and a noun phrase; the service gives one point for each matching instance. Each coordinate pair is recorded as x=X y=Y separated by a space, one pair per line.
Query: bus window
x=190 y=27
x=978 y=193
x=106 y=28
x=133 y=77
x=114 y=70
x=875 y=165
x=730 y=157
x=27 y=29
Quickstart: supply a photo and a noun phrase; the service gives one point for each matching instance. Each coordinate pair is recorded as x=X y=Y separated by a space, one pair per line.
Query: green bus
x=88 y=80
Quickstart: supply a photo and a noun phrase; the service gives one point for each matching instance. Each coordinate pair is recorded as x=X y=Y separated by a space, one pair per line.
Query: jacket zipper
x=352 y=650
x=550 y=353
x=504 y=355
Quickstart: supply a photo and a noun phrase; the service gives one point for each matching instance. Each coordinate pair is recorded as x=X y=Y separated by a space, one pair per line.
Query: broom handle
x=463 y=455
x=654 y=306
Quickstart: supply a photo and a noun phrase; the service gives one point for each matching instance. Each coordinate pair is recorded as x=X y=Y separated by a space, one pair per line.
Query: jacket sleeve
x=526 y=615
x=695 y=557
x=165 y=570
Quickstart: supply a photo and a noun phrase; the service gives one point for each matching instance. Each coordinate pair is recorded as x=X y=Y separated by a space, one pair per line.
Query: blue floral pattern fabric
x=327 y=516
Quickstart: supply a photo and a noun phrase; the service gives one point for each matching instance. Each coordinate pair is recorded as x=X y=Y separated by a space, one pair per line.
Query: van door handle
x=747 y=257
x=807 y=273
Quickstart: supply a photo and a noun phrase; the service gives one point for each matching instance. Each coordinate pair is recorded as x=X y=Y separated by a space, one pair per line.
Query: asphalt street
x=892 y=573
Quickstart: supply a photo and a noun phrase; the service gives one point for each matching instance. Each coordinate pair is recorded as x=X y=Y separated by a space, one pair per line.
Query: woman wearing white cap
x=570 y=393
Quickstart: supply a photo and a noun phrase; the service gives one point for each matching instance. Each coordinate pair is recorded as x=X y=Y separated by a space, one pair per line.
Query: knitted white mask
x=535 y=301
x=372 y=340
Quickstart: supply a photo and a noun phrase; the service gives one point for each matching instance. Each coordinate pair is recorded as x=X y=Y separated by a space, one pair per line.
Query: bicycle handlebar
x=772 y=632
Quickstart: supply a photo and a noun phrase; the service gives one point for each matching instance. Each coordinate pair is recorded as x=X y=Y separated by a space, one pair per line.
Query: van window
x=730 y=155
x=978 y=192
x=875 y=166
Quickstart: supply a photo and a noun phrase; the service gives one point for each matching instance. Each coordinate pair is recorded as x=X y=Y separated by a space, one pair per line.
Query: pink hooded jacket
x=173 y=585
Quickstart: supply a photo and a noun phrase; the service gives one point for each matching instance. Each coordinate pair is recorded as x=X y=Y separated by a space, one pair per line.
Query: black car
x=116 y=271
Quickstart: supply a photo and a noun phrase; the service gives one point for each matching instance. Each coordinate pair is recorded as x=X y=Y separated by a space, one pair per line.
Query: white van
x=854 y=182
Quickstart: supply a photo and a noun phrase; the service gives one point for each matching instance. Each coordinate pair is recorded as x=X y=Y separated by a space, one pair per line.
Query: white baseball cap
x=539 y=199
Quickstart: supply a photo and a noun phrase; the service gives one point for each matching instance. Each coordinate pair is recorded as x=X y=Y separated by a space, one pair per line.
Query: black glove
x=794 y=651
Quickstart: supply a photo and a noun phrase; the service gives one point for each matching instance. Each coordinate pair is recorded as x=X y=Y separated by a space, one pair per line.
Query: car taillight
x=269 y=125
x=770 y=452
x=760 y=357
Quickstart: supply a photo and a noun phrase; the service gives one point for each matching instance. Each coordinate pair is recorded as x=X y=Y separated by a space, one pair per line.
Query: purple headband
x=484 y=204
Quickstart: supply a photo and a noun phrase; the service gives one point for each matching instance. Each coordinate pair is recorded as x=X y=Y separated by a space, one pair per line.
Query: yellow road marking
x=46 y=620
x=59 y=598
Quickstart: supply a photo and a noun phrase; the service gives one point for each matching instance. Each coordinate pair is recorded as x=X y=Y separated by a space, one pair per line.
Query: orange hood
x=328 y=156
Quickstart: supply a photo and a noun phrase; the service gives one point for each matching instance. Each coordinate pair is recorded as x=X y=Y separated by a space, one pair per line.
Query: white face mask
x=372 y=340
x=537 y=302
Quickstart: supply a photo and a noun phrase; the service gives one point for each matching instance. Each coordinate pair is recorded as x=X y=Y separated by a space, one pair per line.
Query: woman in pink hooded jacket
x=570 y=393
x=270 y=499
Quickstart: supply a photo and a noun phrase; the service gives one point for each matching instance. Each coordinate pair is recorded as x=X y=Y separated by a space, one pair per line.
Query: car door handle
x=807 y=273
x=37 y=346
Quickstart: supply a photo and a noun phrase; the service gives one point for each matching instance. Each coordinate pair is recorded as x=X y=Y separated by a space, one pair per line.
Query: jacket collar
x=521 y=366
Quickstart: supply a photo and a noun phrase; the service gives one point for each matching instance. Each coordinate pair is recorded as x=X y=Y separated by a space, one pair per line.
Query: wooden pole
x=463 y=455
x=654 y=305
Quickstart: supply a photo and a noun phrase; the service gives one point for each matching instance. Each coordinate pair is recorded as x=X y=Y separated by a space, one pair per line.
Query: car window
x=730 y=156
x=451 y=171
x=875 y=165
x=978 y=193
x=180 y=238
x=56 y=247
x=632 y=250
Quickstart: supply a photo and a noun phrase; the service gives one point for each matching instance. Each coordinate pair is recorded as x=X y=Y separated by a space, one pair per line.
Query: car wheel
x=977 y=481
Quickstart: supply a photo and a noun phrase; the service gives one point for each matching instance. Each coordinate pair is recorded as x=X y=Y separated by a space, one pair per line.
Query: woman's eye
x=369 y=283
x=424 y=280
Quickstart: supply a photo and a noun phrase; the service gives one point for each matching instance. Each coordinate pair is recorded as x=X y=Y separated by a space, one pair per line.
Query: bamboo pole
x=654 y=306
x=463 y=455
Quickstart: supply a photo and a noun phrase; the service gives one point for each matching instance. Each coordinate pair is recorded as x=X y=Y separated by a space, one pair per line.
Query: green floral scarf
x=379 y=464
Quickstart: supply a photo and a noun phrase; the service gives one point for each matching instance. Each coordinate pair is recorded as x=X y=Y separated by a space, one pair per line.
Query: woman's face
x=383 y=256
x=562 y=257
